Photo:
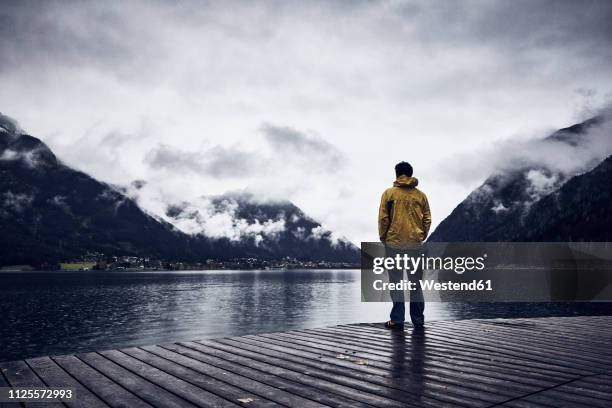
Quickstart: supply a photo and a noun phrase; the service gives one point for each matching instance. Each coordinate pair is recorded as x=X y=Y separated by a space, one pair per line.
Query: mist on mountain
x=536 y=183
x=51 y=212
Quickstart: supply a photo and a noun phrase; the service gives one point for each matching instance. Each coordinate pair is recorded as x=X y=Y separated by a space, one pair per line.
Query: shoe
x=394 y=325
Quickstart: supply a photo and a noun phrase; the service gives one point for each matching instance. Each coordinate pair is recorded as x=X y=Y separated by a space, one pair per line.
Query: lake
x=63 y=312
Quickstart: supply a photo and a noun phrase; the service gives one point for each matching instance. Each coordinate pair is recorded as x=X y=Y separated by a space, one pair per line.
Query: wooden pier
x=545 y=362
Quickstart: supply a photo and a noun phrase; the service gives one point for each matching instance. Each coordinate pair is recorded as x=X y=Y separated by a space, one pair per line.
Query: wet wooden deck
x=548 y=362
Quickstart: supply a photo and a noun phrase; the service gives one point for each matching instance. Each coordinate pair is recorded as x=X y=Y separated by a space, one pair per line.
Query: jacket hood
x=406 y=182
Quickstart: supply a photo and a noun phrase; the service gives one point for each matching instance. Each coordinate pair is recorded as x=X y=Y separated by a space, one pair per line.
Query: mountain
x=579 y=211
x=240 y=224
x=537 y=203
x=50 y=212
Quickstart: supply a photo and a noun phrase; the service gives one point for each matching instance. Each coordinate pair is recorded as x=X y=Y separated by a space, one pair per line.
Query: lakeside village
x=101 y=262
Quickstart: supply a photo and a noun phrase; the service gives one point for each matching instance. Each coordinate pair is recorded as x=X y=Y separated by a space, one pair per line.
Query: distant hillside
x=51 y=212
x=534 y=203
x=580 y=210
x=262 y=228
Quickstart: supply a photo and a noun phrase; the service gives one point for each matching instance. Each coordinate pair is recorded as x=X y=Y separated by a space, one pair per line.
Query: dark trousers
x=417 y=303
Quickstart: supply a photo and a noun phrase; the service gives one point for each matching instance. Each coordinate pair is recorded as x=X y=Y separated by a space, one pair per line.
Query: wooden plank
x=601 y=391
x=520 y=363
x=329 y=371
x=487 y=350
x=515 y=351
x=183 y=389
x=604 y=381
x=565 y=394
x=597 y=330
x=327 y=380
x=391 y=362
x=146 y=390
x=297 y=353
x=106 y=389
x=202 y=378
x=464 y=379
x=457 y=385
x=553 y=335
x=410 y=353
x=246 y=383
x=550 y=342
x=511 y=335
x=454 y=356
x=542 y=401
x=406 y=352
x=552 y=371
x=271 y=374
x=554 y=401
x=359 y=391
x=518 y=344
x=19 y=374
x=537 y=336
x=522 y=404
x=55 y=376
x=580 y=392
x=4 y=383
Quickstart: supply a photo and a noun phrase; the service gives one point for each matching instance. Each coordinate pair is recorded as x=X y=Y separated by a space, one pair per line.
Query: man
x=403 y=223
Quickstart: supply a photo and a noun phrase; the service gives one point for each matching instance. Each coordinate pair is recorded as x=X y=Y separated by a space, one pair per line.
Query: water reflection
x=417 y=359
x=408 y=359
x=59 y=312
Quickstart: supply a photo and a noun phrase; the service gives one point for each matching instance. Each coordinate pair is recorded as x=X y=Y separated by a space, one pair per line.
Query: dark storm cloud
x=122 y=36
x=218 y=161
x=168 y=157
x=52 y=30
x=293 y=145
x=283 y=148
x=232 y=162
x=377 y=80
x=513 y=23
x=98 y=35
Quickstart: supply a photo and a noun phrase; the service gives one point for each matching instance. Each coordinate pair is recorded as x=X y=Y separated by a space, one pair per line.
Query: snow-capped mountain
x=245 y=221
x=51 y=212
x=543 y=200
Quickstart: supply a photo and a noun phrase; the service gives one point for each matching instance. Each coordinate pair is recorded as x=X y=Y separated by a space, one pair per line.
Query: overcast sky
x=310 y=101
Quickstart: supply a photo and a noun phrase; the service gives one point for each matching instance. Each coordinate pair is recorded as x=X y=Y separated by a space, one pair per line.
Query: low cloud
x=9 y=125
x=17 y=202
x=170 y=158
x=322 y=232
x=221 y=220
x=278 y=151
x=218 y=161
x=541 y=183
x=548 y=161
x=31 y=158
x=282 y=149
x=234 y=216
x=293 y=145
x=382 y=81
x=534 y=168
x=60 y=201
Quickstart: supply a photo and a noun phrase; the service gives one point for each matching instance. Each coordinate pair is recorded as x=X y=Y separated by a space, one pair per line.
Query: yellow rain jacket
x=404 y=215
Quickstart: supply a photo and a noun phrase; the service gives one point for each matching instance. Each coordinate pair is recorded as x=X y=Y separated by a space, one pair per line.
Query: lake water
x=46 y=313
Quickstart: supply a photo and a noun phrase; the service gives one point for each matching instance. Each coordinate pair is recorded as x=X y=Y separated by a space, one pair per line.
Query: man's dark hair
x=403 y=168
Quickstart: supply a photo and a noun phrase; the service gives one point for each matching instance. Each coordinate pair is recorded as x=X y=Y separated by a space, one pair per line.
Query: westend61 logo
x=488 y=271
x=411 y=264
